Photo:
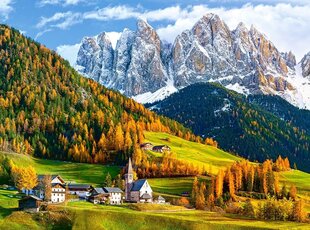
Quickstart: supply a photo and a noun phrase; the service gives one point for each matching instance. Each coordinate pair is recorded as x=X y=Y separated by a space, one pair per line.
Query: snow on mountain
x=147 y=69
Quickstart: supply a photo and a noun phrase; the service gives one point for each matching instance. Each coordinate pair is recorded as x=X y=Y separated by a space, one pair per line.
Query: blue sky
x=60 y=24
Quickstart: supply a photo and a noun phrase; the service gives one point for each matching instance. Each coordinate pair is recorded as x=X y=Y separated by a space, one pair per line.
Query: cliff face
x=144 y=67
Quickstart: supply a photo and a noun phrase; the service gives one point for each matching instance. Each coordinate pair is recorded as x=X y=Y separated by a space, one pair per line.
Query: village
x=53 y=189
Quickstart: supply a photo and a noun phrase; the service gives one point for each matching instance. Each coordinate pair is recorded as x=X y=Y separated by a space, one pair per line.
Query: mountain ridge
x=242 y=59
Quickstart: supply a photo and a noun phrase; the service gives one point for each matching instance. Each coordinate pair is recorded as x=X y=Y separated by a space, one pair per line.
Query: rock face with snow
x=148 y=69
x=96 y=57
x=305 y=65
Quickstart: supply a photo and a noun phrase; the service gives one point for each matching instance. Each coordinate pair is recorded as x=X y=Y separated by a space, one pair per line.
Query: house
x=30 y=203
x=115 y=195
x=137 y=191
x=161 y=148
x=80 y=190
x=98 y=196
x=160 y=200
x=146 y=146
x=58 y=193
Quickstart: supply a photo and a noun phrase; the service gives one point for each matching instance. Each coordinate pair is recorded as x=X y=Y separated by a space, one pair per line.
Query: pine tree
x=108 y=180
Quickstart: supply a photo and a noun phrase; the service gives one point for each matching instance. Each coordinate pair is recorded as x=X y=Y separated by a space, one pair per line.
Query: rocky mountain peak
x=146 y=68
x=305 y=65
x=290 y=59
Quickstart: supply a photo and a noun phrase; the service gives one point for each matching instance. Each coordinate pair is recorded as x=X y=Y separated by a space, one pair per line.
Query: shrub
x=232 y=208
x=248 y=209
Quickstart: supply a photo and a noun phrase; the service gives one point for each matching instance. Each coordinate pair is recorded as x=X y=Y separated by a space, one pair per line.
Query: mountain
x=147 y=69
x=50 y=111
x=242 y=124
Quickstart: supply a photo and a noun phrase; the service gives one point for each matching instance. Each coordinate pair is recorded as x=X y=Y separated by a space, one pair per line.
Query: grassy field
x=196 y=153
x=75 y=172
x=85 y=215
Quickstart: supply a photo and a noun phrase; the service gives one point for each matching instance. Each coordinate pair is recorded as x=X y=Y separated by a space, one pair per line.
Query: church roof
x=137 y=185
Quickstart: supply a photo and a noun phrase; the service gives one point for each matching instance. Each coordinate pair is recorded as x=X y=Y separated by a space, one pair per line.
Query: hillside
x=75 y=172
x=238 y=126
x=210 y=157
x=49 y=111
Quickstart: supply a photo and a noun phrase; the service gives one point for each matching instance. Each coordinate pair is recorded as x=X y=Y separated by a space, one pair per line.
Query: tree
x=108 y=180
x=219 y=184
x=24 y=178
x=46 y=185
x=119 y=138
x=298 y=213
x=120 y=182
x=200 y=197
x=276 y=185
x=284 y=192
x=195 y=189
x=293 y=192
x=231 y=184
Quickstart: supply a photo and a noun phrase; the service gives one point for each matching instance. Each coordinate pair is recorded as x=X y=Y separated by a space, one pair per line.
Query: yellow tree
x=219 y=184
x=293 y=192
x=119 y=138
x=127 y=141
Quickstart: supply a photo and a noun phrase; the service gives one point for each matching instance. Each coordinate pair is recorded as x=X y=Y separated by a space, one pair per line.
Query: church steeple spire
x=130 y=171
x=128 y=180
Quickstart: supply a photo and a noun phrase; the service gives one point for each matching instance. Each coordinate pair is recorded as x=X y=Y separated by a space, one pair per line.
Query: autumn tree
x=195 y=189
x=219 y=184
x=46 y=185
x=293 y=192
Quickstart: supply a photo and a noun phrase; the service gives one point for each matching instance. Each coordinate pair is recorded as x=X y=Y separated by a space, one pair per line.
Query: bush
x=220 y=202
x=232 y=208
x=248 y=209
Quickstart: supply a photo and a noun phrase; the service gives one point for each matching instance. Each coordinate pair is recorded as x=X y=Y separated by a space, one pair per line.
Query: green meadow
x=75 y=172
x=212 y=158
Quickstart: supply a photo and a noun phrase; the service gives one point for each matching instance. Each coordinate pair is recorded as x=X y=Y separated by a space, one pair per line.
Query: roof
x=130 y=171
x=160 y=198
x=144 y=144
x=41 y=176
x=161 y=146
x=31 y=197
x=146 y=196
x=54 y=184
x=110 y=190
x=137 y=185
x=99 y=190
x=79 y=186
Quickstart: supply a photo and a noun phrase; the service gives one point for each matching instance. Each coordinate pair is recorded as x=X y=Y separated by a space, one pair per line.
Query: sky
x=61 y=24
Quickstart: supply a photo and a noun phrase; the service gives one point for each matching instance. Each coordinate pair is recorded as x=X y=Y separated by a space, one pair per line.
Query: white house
x=58 y=194
x=137 y=191
x=160 y=200
x=115 y=195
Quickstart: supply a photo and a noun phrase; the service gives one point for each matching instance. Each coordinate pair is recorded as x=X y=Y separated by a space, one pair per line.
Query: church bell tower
x=128 y=181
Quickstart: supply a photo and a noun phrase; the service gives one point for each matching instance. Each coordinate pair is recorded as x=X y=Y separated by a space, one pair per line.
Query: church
x=137 y=191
